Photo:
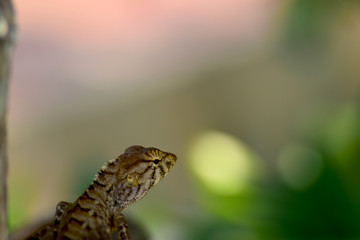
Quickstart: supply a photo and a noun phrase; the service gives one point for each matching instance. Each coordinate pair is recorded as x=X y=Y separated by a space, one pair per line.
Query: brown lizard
x=97 y=213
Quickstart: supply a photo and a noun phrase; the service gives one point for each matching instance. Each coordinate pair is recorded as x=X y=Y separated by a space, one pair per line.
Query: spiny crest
x=107 y=166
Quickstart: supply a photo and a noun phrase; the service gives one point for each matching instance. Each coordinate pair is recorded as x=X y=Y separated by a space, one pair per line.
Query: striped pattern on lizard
x=97 y=213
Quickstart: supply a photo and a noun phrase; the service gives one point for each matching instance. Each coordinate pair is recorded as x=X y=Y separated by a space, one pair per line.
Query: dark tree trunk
x=7 y=39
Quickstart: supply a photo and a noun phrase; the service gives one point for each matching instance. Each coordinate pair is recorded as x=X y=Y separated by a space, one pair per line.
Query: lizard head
x=147 y=164
x=140 y=169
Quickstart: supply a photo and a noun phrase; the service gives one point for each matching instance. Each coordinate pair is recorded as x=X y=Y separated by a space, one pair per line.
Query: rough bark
x=7 y=38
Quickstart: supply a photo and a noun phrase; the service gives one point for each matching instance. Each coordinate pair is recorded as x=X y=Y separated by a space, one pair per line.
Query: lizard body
x=97 y=213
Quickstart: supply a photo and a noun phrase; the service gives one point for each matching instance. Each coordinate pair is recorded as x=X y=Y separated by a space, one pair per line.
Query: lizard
x=97 y=212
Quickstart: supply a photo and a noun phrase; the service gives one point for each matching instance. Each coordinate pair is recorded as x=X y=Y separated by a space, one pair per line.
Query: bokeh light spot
x=299 y=166
x=221 y=162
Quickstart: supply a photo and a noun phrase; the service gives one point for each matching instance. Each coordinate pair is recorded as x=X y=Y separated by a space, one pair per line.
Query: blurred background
x=259 y=99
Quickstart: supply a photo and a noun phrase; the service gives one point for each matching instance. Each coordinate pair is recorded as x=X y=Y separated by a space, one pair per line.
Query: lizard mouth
x=169 y=161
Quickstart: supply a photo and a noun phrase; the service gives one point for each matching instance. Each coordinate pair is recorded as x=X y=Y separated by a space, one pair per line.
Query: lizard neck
x=111 y=188
x=101 y=190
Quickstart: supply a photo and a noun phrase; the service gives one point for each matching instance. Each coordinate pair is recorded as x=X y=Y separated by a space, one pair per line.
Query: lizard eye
x=156 y=161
